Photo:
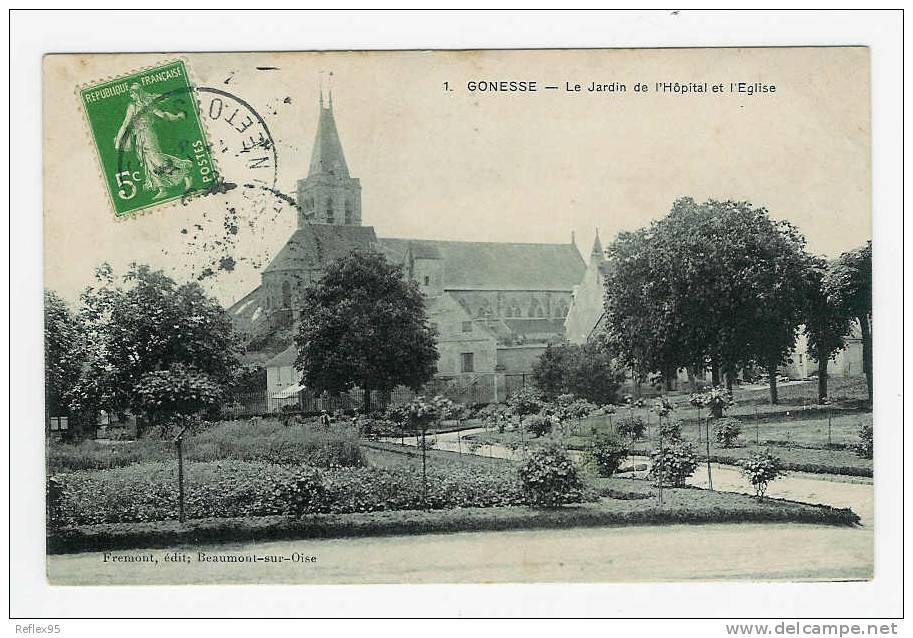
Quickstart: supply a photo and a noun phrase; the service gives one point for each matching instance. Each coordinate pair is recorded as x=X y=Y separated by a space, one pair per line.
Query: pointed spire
x=597 y=252
x=327 y=157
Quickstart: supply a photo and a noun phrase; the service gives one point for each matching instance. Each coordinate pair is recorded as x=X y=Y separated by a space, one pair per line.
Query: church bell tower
x=328 y=195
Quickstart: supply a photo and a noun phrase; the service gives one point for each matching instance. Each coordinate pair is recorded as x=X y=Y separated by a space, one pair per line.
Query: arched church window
x=286 y=294
x=348 y=211
x=329 y=210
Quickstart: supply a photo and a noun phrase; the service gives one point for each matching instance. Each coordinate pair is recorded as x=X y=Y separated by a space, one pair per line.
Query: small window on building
x=348 y=212
x=800 y=359
x=467 y=326
x=466 y=361
x=427 y=280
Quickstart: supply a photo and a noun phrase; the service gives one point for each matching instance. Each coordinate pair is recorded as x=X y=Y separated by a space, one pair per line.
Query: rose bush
x=727 y=431
x=673 y=464
x=760 y=470
x=549 y=477
x=608 y=454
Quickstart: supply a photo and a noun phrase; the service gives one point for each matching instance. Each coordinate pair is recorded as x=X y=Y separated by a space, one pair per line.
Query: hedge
x=149 y=491
x=680 y=505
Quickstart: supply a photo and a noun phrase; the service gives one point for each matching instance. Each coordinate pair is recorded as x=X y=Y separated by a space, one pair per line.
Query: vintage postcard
x=507 y=316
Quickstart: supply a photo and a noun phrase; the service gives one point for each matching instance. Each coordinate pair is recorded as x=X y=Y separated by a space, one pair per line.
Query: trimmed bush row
x=681 y=506
x=148 y=491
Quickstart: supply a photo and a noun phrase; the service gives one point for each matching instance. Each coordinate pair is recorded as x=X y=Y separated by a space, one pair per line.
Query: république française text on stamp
x=151 y=145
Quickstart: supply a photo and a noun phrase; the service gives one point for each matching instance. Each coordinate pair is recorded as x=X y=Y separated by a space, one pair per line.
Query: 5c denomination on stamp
x=151 y=145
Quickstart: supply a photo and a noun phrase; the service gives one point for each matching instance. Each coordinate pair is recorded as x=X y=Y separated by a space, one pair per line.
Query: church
x=494 y=306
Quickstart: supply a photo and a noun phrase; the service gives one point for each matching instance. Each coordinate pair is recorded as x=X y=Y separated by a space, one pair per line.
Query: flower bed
x=149 y=491
x=267 y=440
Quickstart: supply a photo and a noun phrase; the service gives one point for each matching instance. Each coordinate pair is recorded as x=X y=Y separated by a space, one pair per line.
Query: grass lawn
x=802 y=444
x=395 y=456
x=814 y=461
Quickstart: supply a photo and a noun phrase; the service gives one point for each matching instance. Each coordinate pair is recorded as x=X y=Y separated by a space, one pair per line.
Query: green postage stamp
x=150 y=142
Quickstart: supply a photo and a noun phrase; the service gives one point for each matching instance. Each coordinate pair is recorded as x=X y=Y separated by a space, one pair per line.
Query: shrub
x=865 y=448
x=760 y=470
x=674 y=463
x=301 y=492
x=632 y=428
x=671 y=429
x=538 y=424
x=525 y=401
x=578 y=409
x=608 y=454
x=549 y=478
x=727 y=431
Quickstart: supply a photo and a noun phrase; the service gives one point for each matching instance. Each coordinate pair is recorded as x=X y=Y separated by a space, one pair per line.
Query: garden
x=268 y=478
x=834 y=438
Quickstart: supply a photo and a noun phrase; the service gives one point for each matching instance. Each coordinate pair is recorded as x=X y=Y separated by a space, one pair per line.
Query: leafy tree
x=249 y=378
x=147 y=323
x=550 y=370
x=588 y=371
x=364 y=325
x=64 y=351
x=826 y=323
x=849 y=285
x=178 y=392
x=716 y=282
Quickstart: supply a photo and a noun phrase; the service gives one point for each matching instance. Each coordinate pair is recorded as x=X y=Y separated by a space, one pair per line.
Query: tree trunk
x=822 y=376
x=691 y=380
x=866 y=330
x=715 y=371
x=729 y=375
x=772 y=381
x=670 y=372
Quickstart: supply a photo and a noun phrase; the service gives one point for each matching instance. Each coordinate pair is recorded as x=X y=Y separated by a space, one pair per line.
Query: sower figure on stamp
x=136 y=133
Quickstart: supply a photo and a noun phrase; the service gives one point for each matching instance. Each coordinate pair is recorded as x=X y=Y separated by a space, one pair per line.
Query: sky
x=441 y=161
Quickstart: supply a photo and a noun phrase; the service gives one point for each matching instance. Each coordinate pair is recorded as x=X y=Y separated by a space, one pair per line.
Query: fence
x=474 y=389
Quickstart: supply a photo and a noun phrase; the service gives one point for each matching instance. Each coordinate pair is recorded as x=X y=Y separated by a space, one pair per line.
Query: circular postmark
x=234 y=218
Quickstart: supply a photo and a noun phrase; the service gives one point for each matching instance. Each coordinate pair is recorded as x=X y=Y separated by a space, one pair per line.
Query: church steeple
x=327 y=156
x=597 y=254
x=328 y=195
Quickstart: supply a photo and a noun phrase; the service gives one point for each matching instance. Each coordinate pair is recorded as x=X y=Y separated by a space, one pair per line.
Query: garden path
x=827 y=489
